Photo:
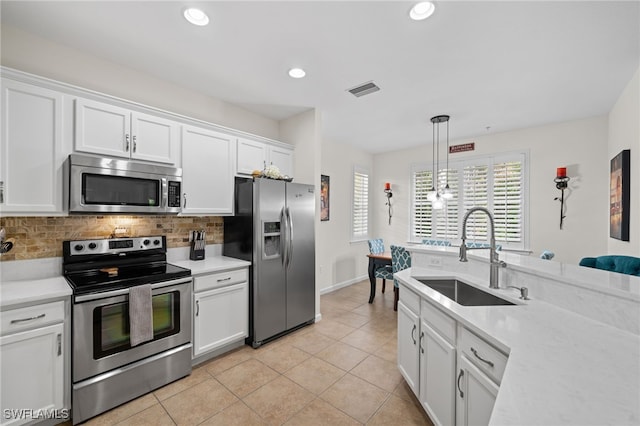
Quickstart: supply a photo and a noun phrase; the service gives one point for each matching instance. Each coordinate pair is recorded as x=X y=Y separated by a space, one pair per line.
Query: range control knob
x=146 y=242
x=78 y=247
x=92 y=246
x=156 y=242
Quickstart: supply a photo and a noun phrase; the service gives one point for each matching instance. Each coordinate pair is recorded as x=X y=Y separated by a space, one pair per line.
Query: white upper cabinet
x=118 y=132
x=253 y=155
x=208 y=158
x=283 y=158
x=32 y=150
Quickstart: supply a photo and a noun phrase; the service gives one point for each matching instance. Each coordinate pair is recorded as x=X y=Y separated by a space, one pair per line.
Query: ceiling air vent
x=364 y=89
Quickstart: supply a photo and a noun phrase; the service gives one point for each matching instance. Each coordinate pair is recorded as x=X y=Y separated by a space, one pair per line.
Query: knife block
x=194 y=253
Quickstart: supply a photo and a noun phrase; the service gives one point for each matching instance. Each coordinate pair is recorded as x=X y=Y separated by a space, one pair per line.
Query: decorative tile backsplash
x=40 y=237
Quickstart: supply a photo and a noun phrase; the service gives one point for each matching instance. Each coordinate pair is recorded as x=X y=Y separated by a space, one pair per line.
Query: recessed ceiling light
x=422 y=10
x=297 y=73
x=196 y=16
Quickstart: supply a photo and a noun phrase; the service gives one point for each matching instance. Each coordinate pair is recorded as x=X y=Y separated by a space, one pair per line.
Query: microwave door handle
x=165 y=194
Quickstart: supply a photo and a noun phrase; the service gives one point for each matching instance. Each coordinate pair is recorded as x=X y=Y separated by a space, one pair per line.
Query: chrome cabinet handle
x=197 y=307
x=134 y=143
x=184 y=204
x=421 y=337
x=1 y=192
x=59 y=340
x=458 y=384
x=412 y=335
x=224 y=279
x=489 y=363
x=15 y=321
x=126 y=142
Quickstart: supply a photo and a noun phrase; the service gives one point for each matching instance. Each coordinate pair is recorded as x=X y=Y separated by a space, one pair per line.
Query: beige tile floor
x=339 y=371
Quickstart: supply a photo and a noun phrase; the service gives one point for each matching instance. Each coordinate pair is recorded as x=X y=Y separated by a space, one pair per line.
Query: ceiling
x=492 y=66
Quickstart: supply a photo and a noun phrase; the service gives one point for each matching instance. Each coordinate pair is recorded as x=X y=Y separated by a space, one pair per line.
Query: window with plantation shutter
x=476 y=194
x=507 y=201
x=496 y=183
x=421 y=206
x=360 y=207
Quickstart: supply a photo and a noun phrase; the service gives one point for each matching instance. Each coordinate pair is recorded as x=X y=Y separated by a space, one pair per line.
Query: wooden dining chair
x=400 y=260
x=376 y=246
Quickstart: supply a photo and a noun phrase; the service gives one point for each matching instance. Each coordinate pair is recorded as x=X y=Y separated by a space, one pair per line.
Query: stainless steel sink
x=464 y=294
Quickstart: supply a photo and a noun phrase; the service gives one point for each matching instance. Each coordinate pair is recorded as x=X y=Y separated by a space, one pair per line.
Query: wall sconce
x=389 y=194
x=562 y=182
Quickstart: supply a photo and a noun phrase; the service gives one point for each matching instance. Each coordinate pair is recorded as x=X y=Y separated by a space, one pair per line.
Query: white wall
x=580 y=145
x=33 y=54
x=341 y=261
x=624 y=133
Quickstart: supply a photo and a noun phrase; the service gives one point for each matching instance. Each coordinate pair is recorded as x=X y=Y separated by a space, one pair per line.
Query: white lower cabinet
x=221 y=310
x=32 y=367
x=454 y=373
x=438 y=368
x=408 y=332
x=476 y=395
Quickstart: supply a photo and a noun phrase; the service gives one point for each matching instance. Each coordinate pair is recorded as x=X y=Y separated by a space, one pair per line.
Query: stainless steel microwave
x=108 y=185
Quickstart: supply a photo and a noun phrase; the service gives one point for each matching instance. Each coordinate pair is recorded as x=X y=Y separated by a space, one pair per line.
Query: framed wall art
x=620 y=192
x=324 y=197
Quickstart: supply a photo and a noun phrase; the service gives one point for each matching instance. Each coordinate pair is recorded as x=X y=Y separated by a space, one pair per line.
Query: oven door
x=101 y=327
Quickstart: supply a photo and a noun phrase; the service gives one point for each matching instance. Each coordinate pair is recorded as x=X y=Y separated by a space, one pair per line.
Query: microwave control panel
x=173 y=196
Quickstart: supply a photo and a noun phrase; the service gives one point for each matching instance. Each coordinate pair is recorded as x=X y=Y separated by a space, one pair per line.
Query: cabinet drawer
x=219 y=279
x=32 y=316
x=482 y=354
x=439 y=321
x=410 y=299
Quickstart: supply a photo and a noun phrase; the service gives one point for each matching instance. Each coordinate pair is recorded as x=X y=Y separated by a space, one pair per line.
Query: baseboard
x=318 y=317
x=343 y=284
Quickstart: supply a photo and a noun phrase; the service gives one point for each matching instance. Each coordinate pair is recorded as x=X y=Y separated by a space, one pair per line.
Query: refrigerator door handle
x=289 y=237
x=283 y=235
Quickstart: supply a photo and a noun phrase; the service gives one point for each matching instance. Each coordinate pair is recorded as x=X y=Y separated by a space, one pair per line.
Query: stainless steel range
x=107 y=369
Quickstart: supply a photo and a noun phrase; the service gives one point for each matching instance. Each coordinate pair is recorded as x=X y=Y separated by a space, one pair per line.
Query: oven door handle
x=124 y=291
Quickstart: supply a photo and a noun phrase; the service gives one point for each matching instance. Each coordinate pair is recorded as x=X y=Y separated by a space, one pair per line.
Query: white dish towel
x=140 y=314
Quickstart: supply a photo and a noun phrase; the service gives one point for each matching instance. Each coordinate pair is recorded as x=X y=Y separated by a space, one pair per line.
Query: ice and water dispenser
x=270 y=240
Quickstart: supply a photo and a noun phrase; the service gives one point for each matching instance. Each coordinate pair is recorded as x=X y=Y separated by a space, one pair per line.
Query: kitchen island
x=563 y=367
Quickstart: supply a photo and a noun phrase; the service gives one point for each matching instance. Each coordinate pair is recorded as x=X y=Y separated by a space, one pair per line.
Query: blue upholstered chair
x=400 y=260
x=547 y=255
x=473 y=244
x=615 y=263
x=430 y=242
x=376 y=246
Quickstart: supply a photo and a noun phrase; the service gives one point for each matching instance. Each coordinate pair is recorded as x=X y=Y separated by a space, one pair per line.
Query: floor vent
x=364 y=89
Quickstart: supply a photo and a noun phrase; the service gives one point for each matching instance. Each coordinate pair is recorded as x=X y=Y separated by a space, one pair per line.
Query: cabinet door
x=102 y=129
x=153 y=138
x=220 y=317
x=32 y=371
x=282 y=158
x=408 y=334
x=252 y=155
x=475 y=395
x=32 y=150
x=207 y=172
x=437 y=376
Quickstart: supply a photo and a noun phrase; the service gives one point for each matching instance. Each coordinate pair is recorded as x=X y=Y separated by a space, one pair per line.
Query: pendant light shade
x=436 y=196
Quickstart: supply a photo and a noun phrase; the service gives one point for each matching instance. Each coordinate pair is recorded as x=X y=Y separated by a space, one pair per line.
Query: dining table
x=376 y=260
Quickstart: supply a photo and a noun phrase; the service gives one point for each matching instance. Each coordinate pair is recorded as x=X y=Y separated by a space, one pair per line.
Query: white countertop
x=563 y=368
x=18 y=292
x=212 y=264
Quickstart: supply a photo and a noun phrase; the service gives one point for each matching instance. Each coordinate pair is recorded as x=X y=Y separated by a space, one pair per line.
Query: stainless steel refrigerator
x=273 y=228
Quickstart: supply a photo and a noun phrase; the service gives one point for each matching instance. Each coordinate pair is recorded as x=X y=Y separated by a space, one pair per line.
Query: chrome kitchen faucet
x=494 y=261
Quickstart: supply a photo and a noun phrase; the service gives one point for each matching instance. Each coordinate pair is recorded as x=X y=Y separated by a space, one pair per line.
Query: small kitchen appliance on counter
x=107 y=369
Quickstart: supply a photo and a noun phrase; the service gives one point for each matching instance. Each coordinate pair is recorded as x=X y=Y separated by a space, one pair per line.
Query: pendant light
x=437 y=199
x=431 y=194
